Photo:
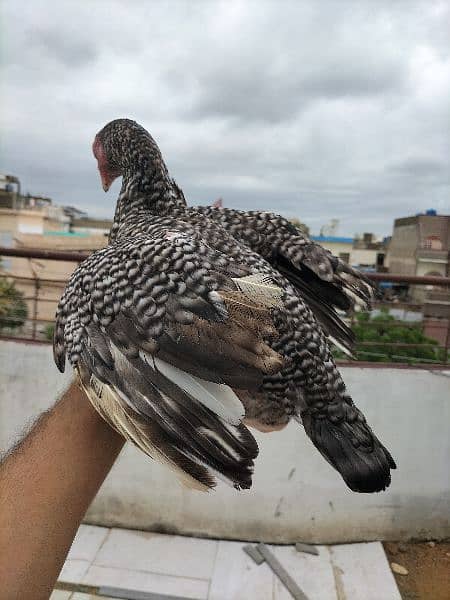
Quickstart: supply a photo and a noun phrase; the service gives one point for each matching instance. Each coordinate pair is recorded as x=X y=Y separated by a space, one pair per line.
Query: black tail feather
x=364 y=467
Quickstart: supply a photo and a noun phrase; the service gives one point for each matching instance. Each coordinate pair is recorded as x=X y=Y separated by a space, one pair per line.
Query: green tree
x=13 y=308
x=49 y=331
x=380 y=338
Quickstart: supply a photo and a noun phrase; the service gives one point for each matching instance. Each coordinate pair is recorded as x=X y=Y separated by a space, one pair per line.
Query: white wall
x=425 y=267
x=296 y=495
x=337 y=247
x=363 y=256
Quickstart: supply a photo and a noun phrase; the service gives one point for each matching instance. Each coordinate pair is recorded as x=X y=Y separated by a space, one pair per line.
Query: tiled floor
x=220 y=570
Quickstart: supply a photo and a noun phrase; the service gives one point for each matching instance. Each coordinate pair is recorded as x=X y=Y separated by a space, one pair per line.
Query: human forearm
x=46 y=486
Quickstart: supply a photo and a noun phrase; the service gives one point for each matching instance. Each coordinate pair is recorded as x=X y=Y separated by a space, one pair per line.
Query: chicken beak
x=106 y=178
x=105 y=185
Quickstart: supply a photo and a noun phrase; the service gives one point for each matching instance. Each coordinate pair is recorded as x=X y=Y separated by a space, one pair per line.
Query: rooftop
x=150 y=564
x=332 y=239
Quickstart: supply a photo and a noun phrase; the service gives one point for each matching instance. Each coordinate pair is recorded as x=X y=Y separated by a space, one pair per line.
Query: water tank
x=431 y=212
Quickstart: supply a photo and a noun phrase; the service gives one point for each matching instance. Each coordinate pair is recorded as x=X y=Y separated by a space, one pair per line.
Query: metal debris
x=254 y=554
x=281 y=573
x=114 y=592
x=308 y=548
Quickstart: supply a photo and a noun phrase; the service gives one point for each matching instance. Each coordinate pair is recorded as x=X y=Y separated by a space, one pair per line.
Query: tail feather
x=353 y=450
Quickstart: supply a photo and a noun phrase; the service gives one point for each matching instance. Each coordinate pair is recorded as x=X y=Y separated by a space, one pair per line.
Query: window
x=433 y=242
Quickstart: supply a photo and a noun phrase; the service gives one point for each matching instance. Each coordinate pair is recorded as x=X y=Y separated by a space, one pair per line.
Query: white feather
x=260 y=289
x=219 y=398
x=219 y=440
x=341 y=347
x=211 y=470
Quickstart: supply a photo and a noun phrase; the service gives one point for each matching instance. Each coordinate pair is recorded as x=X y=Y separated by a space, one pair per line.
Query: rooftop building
x=365 y=252
x=420 y=245
x=34 y=222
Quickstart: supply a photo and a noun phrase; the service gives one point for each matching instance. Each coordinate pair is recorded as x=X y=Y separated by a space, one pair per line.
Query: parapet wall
x=296 y=494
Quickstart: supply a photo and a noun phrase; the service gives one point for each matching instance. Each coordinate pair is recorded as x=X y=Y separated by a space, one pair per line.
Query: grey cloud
x=280 y=76
x=258 y=92
x=316 y=110
x=68 y=50
x=420 y=166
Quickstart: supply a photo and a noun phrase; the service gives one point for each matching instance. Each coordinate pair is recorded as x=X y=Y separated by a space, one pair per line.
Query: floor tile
x=157 y=553
x=362 y=572
x=61 y=595
x=220 y=570
x=87 y=542
x=313 y=574
x=82 y=596
x=147 y=582
x=236 y=576
x=73 y=570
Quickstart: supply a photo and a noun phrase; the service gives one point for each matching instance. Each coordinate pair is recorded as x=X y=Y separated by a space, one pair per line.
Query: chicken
x=184 y=332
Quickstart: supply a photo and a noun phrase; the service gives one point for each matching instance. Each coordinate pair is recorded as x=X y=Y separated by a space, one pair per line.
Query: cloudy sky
x=319 y=109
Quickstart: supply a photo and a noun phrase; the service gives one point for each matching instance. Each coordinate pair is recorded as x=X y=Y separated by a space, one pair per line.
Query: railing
x=398 y=331
x=40 y=293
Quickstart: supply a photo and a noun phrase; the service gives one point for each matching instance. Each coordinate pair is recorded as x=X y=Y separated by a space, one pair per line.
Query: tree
x=13 y=308
x=383 y=338
x=49 y=331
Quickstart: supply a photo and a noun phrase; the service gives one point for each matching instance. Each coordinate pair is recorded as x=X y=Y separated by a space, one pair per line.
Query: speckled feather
x=157 y=289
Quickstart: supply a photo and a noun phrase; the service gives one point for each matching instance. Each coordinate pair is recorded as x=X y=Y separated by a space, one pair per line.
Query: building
x=91 y=226
x=28 y=214
x=420 y=245
x=365 y=252
x=42 y=281
x=34 y=222
x=368 y=252
x=339 y=246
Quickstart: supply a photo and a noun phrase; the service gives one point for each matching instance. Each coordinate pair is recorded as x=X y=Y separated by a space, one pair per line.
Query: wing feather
x=324 y=281
x=156 y=348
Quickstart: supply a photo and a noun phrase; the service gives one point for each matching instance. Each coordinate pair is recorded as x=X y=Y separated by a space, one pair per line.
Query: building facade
x=35 y=223
x=365 y=253
x=420 y=245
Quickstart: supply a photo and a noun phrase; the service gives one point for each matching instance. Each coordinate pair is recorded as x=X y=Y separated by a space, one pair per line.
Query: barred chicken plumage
x=325 y=282
x=195 y=323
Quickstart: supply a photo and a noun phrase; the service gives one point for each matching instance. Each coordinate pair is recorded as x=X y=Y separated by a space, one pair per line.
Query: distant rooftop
x=92 y=222
x=66 y=233
x=332 y=238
